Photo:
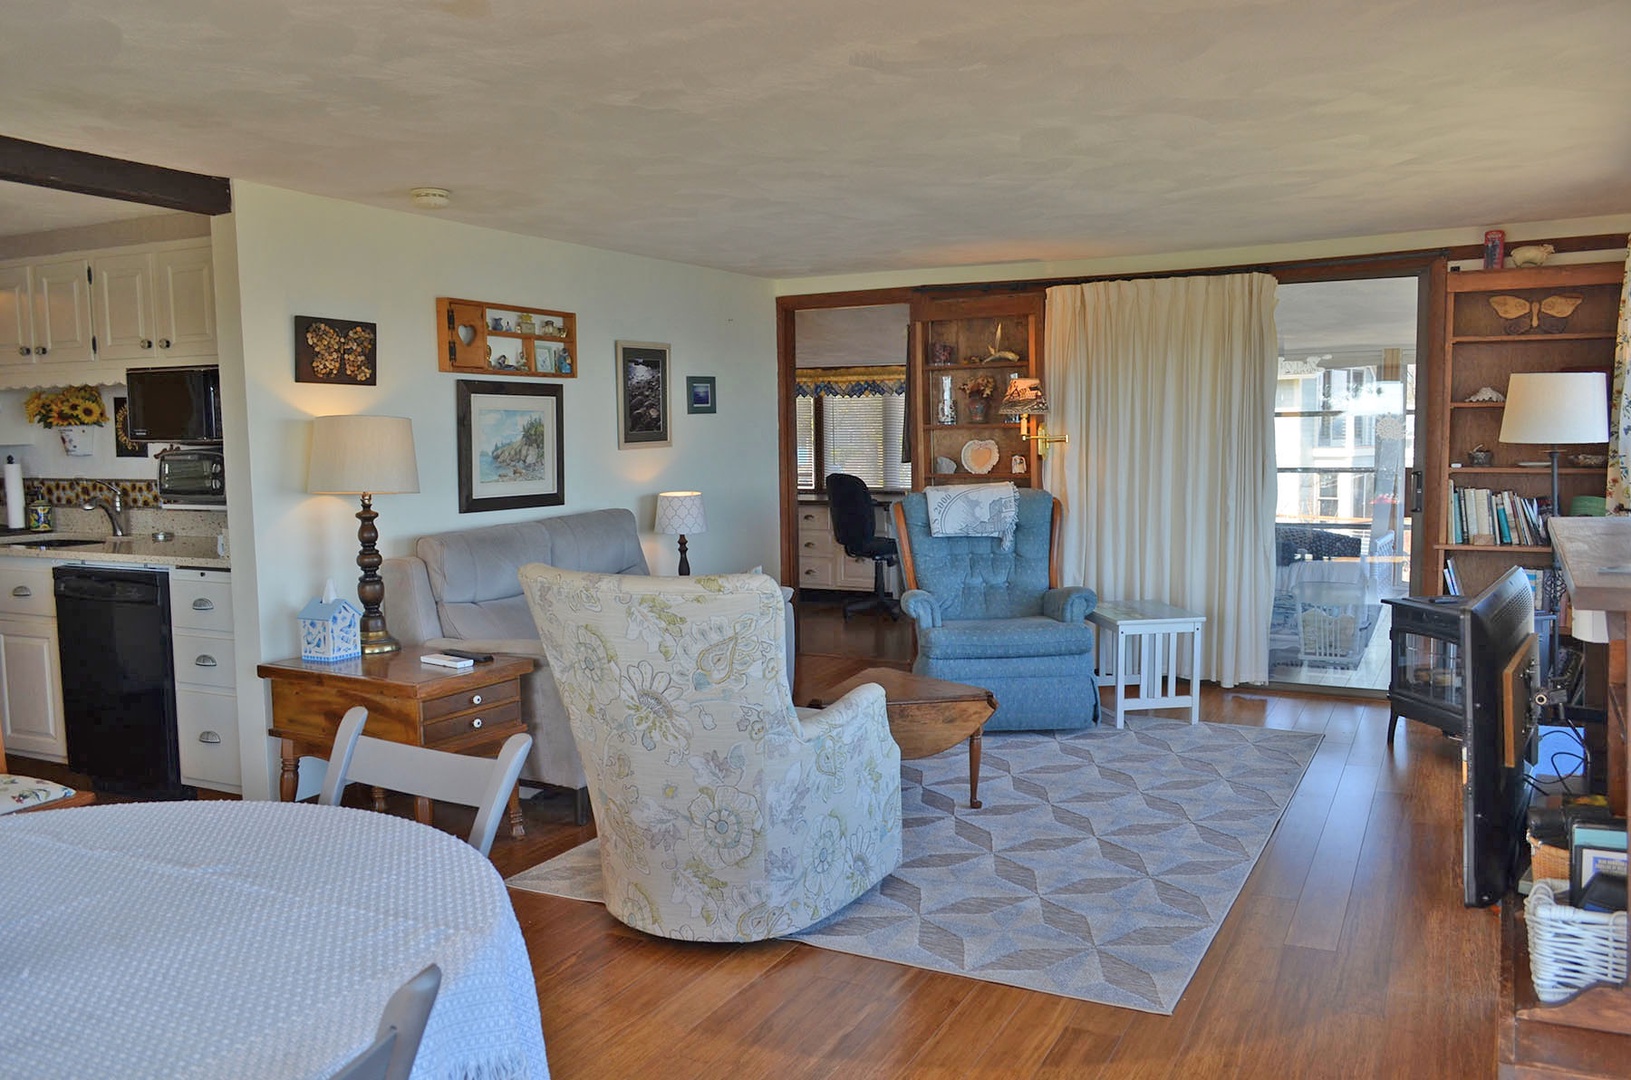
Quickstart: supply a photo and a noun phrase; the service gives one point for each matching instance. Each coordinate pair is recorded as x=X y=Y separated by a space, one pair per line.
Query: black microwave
x=174 y=404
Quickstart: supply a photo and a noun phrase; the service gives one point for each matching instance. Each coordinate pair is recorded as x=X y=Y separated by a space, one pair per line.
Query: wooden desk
x=467 y=712
x=927 y=715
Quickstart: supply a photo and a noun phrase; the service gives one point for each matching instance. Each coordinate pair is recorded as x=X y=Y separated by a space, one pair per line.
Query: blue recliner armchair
x=998 y=619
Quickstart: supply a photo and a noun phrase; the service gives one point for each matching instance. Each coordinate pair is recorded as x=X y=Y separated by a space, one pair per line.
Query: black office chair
x=849 y=504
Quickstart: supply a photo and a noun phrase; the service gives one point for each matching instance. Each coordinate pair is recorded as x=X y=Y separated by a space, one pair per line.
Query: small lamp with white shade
x=365 y=456
x=679 y=513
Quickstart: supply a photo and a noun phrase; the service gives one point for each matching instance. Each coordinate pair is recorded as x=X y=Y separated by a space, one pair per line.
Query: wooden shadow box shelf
x=482 y=338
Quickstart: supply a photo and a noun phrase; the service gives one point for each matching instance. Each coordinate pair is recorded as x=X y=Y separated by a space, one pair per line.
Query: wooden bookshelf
x=1480 y=348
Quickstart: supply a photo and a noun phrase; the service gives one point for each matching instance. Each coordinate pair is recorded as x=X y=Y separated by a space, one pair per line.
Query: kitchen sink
x=59 y=542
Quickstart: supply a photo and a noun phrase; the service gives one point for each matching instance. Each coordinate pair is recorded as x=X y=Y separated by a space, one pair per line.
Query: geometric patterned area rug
x=1100 y=867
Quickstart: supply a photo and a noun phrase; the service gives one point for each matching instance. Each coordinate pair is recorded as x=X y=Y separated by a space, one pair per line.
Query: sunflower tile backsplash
x=138 y=493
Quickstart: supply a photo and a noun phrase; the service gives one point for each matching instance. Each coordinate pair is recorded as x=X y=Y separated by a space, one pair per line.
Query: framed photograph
x=642 y=395
x=335 y=351
x=1595 y=847
x=699 y=394
x=512 y=446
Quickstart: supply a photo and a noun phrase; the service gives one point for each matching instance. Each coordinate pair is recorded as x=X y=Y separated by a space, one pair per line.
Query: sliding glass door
x=1345 y=418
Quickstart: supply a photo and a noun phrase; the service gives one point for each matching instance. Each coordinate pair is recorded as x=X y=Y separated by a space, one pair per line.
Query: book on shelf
x=1452 y=578
x=1497 y=518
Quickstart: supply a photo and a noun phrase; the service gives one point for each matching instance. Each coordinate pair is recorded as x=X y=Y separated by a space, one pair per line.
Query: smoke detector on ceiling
x=429 y=198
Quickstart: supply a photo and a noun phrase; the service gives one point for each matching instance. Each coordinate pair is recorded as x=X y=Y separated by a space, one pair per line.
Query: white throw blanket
x=975 y=510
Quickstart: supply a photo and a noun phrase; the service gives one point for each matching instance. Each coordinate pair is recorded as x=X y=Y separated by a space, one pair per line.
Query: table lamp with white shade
x=680 y=512
x=365 y=456
x=1552 y=407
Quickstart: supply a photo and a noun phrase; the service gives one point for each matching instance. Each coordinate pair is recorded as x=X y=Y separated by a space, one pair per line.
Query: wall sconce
x=1025 y=400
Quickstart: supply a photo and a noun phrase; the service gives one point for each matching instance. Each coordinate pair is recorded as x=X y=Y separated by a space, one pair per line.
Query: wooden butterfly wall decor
x=1550 y=316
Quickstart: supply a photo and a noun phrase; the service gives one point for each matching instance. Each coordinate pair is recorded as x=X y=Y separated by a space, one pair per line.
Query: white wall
x=303 y=255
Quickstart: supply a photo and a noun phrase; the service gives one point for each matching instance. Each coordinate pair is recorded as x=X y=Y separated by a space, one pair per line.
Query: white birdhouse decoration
x=330 y=628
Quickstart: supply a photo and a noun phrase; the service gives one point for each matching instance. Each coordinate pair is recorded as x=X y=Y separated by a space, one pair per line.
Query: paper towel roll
x=14 y=495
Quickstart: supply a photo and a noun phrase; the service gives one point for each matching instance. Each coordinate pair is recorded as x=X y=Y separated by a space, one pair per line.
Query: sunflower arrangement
x=66 y=407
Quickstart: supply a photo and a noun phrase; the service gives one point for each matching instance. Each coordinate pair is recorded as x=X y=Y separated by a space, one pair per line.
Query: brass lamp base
x=383 y=643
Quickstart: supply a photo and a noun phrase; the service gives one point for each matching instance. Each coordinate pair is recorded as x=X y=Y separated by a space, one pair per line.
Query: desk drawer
x=483 y=723
x=483 y=697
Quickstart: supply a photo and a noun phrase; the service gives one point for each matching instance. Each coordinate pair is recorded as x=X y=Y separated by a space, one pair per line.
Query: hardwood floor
x=1348 y=954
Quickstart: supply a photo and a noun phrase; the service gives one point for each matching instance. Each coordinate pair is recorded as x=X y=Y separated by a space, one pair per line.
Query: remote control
x=444 y=660
x=474 y=657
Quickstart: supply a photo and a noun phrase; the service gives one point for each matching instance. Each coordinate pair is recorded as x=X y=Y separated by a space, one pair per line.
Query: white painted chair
x=484 y=783
x=396 y=1044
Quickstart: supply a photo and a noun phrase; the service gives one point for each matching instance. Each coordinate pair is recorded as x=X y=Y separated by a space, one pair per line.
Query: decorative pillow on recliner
x=974 y=510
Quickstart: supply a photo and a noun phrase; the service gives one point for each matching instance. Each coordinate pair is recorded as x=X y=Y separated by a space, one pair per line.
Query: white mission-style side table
x=1140 y=637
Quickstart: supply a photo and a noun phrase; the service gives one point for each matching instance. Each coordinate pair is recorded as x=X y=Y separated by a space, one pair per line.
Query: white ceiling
x=786 y=140
x=25 y=210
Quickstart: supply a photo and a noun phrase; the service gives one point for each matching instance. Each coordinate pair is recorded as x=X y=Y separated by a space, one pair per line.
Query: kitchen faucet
x=114 y=507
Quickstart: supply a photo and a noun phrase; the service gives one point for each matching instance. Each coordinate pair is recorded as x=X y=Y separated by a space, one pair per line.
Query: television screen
x=1497 y=631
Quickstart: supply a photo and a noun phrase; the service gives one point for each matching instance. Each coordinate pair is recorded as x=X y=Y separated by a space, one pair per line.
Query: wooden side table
x=467 y=712
x=1155 y=627
x=927 y=715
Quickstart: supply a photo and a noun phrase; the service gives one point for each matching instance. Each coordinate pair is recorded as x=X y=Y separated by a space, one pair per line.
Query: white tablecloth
x=227 y=939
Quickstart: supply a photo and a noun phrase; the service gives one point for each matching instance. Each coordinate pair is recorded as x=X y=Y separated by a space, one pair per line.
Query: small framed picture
x=699 y=394
x=642 y=395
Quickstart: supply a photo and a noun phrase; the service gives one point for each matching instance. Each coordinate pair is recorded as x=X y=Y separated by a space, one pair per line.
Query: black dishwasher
x=118 y=691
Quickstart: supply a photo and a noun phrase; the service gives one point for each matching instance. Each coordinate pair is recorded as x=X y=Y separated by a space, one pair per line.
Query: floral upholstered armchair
x=724 y=813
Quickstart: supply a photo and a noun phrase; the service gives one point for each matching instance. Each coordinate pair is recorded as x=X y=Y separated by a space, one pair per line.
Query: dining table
x=219 y=939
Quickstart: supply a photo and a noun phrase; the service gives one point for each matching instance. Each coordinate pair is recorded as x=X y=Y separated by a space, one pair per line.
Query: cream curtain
x=1166 y=389
x=1619 y=406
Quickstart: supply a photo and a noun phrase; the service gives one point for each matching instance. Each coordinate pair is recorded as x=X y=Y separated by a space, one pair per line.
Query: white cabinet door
x=31 y=689
x=124 y=307
x=16 y=317
x=62 y=311
x=184 y=293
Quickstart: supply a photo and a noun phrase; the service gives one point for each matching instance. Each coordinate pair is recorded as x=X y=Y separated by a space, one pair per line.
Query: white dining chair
x=396 y=1043
x=484 y=783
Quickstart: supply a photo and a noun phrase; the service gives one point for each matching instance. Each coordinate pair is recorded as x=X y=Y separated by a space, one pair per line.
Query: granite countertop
x=143 y=550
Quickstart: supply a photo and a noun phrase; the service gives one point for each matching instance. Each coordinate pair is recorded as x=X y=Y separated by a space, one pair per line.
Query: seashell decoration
x=1488 y=393
x=1531 y=254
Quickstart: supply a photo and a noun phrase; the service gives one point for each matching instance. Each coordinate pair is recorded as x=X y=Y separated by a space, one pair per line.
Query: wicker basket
x=1546 y=861
x=1570 y=948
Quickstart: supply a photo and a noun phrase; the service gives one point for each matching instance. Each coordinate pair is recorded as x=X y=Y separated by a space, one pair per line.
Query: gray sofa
x=462 y=590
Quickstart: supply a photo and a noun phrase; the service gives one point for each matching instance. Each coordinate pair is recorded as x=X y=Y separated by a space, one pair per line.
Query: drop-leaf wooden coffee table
x=927 y=715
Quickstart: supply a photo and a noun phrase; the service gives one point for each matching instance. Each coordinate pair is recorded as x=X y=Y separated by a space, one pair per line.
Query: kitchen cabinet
x=30 y=671
x=45 y=313
x=155 y=305
x=205 y=671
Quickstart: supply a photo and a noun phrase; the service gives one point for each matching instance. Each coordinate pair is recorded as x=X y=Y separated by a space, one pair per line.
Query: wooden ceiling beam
x=113 y=178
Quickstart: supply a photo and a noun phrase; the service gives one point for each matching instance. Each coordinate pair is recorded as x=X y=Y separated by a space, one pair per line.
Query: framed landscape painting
x=642 y=394
x=511 y=446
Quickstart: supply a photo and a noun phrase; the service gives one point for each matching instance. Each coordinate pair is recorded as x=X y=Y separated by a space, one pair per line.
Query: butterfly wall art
x=1521 y=316
x=335 y=351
